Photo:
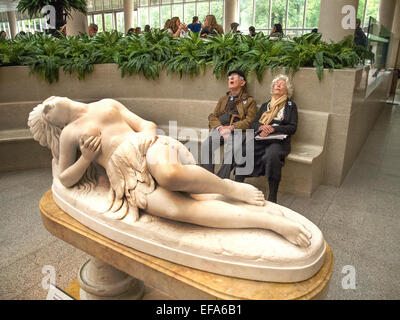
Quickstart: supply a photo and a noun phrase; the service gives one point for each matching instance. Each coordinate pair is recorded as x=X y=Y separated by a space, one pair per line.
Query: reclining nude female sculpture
x=154 y=173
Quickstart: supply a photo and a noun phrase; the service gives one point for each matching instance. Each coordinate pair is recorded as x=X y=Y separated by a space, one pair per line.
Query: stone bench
x=302 y=173
x=304 y=168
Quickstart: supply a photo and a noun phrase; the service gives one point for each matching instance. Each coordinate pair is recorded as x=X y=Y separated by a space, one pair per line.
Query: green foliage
x=33 y=7
x=150 y=52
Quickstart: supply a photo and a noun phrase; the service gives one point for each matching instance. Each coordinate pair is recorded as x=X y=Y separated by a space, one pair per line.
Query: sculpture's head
x=57 y=111
x=47 y=120
x=281 y=85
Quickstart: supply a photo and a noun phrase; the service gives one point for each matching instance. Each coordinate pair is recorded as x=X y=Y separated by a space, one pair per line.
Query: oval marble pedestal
x=177 y=281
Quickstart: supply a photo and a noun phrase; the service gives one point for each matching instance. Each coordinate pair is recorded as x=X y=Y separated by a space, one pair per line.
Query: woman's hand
x=90 y=147
x=266 y=130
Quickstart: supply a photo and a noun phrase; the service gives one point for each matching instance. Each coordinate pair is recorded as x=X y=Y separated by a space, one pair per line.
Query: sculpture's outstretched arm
x=135 y=122
x=71 y=171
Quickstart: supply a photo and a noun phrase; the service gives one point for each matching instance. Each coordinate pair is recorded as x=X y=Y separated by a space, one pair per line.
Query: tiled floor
x=360 y=221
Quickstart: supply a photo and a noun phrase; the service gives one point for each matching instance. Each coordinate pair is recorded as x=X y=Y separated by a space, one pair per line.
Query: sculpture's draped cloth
x=128 y=173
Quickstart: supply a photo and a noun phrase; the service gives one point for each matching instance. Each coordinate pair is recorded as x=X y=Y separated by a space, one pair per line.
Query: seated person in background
x=93 y=28
x=277 y=31
x=166 y=25
x=146 y=28
x=279 y=115
x=252 y=31
x=234 y=27
x=195 y=26
x=211 y=27
x=131 y=31
x=3 y=34
x=235 y=110
x=138 y=30
x=176 y=28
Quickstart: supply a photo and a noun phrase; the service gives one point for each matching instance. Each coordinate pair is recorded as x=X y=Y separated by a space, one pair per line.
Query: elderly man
x=235 y=110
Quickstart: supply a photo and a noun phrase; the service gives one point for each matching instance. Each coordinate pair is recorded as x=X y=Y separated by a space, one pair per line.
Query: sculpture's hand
x=90 y=147
x=145 y=141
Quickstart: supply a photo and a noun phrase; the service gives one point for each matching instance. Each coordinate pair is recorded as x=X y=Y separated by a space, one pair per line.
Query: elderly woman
x=148 y=171
x=277 y=116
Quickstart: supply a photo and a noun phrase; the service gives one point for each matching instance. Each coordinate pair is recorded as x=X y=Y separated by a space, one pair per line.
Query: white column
x=386 y=13
x=12 y=20
x=394 y=18
x=332 y=22
x=128 y=14
x=77 y=23
x=231 y=13
x=100 y=281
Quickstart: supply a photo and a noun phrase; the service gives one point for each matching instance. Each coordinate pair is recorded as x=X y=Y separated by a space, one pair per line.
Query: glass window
x=154 y=17
x=278 y=13
x=120 y=22
x=155 y=1
x=108 y=22
x=217 y=9
x=295 y=13
x=165 y=14
x=98 y=5
x=135 y=19
x=143 y=17
x=371 y=11
x=177 y=10
x=262 y=14
x=106 y=4
x=99 y=21
x=89 y=20
x=144 y=2
x=245 y=15
x=190 y=12
x=166 y=1
x=312 y=13
x=116 y=4
x=203 y=9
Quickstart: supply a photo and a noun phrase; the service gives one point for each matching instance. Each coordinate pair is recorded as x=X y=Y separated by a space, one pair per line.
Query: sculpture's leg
x=100 y=281
x=171 y=174
x=220 y=214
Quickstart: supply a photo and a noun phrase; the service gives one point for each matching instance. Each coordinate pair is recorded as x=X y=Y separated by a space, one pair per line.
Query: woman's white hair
x=47 y=134
x=289 y=85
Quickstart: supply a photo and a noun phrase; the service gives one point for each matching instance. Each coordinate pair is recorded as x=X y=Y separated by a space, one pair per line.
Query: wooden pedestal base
x=176 y=280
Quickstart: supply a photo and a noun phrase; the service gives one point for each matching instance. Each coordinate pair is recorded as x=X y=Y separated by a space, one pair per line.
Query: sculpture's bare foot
x=246 y=193
x=293 y=231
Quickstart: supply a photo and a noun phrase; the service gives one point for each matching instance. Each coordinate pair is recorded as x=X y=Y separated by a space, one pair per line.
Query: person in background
x=235 y=110
x=315 y=30
x=279 y=116
x=359 y=36
x=252 y=31
x=176 y=28
x=211 y=27
x=277 y=31
x=146 y=28
x=131 y=31
x=138 y=30
x=166 y=25
x=3 y=34
x=93 y=28
x=234 y=27
x=195 y=26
